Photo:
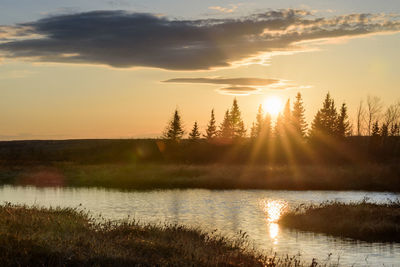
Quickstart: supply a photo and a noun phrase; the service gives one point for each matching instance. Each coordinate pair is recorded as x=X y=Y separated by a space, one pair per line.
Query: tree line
x=329 y=122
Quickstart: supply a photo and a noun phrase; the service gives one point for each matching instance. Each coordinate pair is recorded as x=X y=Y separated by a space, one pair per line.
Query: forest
x=330 y=139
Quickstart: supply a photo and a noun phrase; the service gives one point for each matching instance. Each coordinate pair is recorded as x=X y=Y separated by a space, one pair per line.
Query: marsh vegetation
x=363 y=220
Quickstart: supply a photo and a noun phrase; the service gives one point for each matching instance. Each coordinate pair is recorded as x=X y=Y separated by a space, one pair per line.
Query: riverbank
x=363 y=221
x=367 y=177
x=68 y=237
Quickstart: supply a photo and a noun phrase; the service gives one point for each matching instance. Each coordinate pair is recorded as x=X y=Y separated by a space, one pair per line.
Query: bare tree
x=360 y=118
x=392 y=114
x=374 y=109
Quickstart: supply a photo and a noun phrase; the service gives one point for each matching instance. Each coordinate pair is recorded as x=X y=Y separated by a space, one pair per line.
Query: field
x=372 y=177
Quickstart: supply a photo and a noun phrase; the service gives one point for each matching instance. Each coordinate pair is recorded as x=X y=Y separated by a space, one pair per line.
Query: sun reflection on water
x=273 y=210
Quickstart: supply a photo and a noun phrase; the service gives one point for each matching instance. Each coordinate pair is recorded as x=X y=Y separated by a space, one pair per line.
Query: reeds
x=363 y=220
x=31 y=236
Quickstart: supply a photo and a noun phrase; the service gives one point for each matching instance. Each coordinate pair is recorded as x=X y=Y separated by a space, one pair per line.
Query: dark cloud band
x=122 y=39
x=227 y=81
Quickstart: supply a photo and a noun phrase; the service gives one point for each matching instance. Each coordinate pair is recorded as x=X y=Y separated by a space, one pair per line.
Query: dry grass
x=372 y=177
x=67 y=237
x=363 y=220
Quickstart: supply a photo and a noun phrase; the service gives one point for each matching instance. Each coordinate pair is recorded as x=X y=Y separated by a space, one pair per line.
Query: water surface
x=252 y=211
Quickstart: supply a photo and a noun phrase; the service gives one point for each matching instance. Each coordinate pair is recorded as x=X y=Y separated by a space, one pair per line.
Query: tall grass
x=68 y=237
x=363 y=220
x=372 y=177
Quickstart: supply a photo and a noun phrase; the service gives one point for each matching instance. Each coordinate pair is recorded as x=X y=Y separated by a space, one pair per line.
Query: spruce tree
x=237 y=124
x=279 y=125
x=225 y=131
x=211 y=131
x=324 y=123
x=267 y=126
x=283 y=121
x=343 y=128
x=253 y=131
x=194 y=135
x=174 y=130
x=259 y=124
x=298 y=119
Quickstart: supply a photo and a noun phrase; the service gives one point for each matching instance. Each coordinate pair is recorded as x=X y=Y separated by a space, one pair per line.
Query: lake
x=252 y=211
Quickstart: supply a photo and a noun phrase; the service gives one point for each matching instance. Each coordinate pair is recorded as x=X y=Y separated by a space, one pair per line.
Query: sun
x=273 y=105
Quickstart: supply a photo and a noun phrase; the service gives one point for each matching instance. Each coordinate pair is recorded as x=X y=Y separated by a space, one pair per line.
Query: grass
x=363 y=221
x=372 y=177
x=31 y=236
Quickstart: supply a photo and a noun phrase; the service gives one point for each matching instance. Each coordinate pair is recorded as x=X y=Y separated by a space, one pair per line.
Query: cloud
x=123 y=39
x=230 y=9
x=226 y=81
x=238 y=90
x=242 y=85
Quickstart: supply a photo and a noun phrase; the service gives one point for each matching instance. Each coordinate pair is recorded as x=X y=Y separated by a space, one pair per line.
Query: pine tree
x=211 y=131
x=298 y=119
x=259 y=124
x=174 y=130
x=283 y=121
x=238 y=129
x=343 y=128
x=324 y=122
x=194 y=135
x=287 y=114
x=253 y=131
x=279 y=125
x=267 y=126
x=226 y=131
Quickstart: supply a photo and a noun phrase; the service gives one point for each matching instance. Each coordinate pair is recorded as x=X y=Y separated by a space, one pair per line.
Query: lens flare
x=273 y=105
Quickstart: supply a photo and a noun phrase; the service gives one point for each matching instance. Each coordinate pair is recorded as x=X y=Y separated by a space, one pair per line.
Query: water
x=252 y=211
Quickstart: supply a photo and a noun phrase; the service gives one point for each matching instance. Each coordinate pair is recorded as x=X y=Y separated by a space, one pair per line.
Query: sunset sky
x=118 y=69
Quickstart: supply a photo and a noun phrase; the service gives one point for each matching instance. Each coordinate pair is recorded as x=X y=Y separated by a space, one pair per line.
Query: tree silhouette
x=298 y=119
x=174 y=130
x=375 y=129
x=237 y=124
x=343 y=127
x=279 y=125
x=324 y=123
x=283 y=122
x=226 y=131
x=395 y=130
x=194 y=135
x=211 y=131
x=267 y=126
x=374 y=109
x=384 y=131
x=259 y=124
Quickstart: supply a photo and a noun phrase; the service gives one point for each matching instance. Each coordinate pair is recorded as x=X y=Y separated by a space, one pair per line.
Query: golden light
x=273 y=105
x=274 y=209
x=274 y=232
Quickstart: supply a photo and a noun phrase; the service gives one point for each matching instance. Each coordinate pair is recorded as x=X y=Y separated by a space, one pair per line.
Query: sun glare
x=273 y=105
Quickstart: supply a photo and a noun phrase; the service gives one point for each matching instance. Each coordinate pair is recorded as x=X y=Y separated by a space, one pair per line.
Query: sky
x=119 y=68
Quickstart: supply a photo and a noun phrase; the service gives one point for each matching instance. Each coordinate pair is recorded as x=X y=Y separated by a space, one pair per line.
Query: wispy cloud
x=226 y=81
x=241 y=85
x=123 y=39
x=229 y=9
x=238 y=90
